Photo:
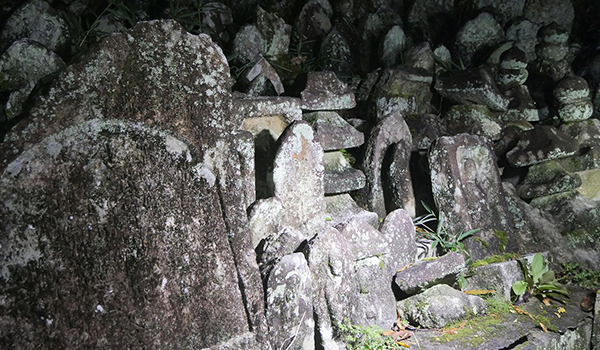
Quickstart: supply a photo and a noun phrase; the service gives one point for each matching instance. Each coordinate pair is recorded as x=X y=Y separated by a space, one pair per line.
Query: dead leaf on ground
x=546 y=301
x=398 y=335
x=479 y=291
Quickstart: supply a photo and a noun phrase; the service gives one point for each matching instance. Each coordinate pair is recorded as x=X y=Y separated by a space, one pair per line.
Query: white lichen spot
x=23 y=248
x=205 y=172
x=170 y=222
x=177 y=147
x=99 y=308
x=163 y=283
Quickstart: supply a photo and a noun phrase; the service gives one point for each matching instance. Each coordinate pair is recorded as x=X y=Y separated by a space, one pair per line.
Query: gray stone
x=547 y=11
x=38 y=21
x=180 y=125
x=425 y=128
x=443 y=58
x=586 y=132
x=289 y=306
x=392 y=46
x=324 y=91
x=513 y=64
x=335 y=292
x=249 y=45
x=541 y=144
x=245 y=151
x=425 y=274
x=498 y=276
x=339 y=176
x=262 y=78
x=440 y=305
x=399 y=180
x=590 y=180
x=468 y=192
x=547 y=178
x=474 y=86
x=333 y=132
x=264 y=219
x=477 y=34
x=420 y=56
x=275 y=246
x=391 y=129
x=573 y=96
x=298 y=179
x=313 y=22
x=118 y=174
x=474 y=120
x=286 y=109
x=22 y=65
x=218 y=19
x=275 y=32
x=402 y=90
x=399 y=233
x=524 y=34
x=522 y=106
x=335 y=55
x=552 y=51
x=342 y=208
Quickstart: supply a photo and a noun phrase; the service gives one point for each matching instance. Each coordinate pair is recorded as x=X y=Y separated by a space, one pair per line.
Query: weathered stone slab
x=333 y=132
x=324 y=91
x=425 y=128
x=544 y=179
x=541 y=144
x=482 y=32
x=182 y=119
x=339 y=176
x=468 y=192
x=84 y=220
x=22 y=65
x=335 y=292
x=474 y=86
x=399 y=181
x=298 y=179
x=392 y=129
x=521 y=106
x=407 y=91
x=289 y=306
x=440 y=305
x=399 y=232
x=424 y=274
x=474 y=120
x=499 y=277
x=246 y=107
x=342 y=208
x=264 y=218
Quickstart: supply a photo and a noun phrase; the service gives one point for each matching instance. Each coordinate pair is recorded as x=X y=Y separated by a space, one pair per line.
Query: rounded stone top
x=513 y=58
x=553 y=34
x=571 y=88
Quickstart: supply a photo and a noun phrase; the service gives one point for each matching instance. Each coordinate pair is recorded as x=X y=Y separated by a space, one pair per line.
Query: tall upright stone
x=298 y=179
x=468 y=192
x=123 y=225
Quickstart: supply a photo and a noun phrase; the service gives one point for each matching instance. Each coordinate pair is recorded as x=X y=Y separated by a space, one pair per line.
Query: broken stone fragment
x=547 y=178
x=440 y=305
x=341 y=209
x=38 y=21
x=420 y=57
x=425 y=128
x=522 y=106
x=498 y=276
x=275 y=31
x=262 y=78
x=477 y=34
x=474 y=120
x=392 y=46
x=324 y=91
x=425 y=274
x=333 y=132
x=339 y=176
x=249 y=45
x=403 y=90
x=474 y=86
x=264 y=219
x=541 y=144
x=313 y=22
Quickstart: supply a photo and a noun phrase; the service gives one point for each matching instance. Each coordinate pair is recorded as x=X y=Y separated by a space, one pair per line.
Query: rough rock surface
x=468 y=192
x=390 y=130
x=424 y=274
x=324 y=91
x=439 y=305
x=298 y=179
x=289 y=304
x=541 y=144
x=474 y=86
x=90 y=152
